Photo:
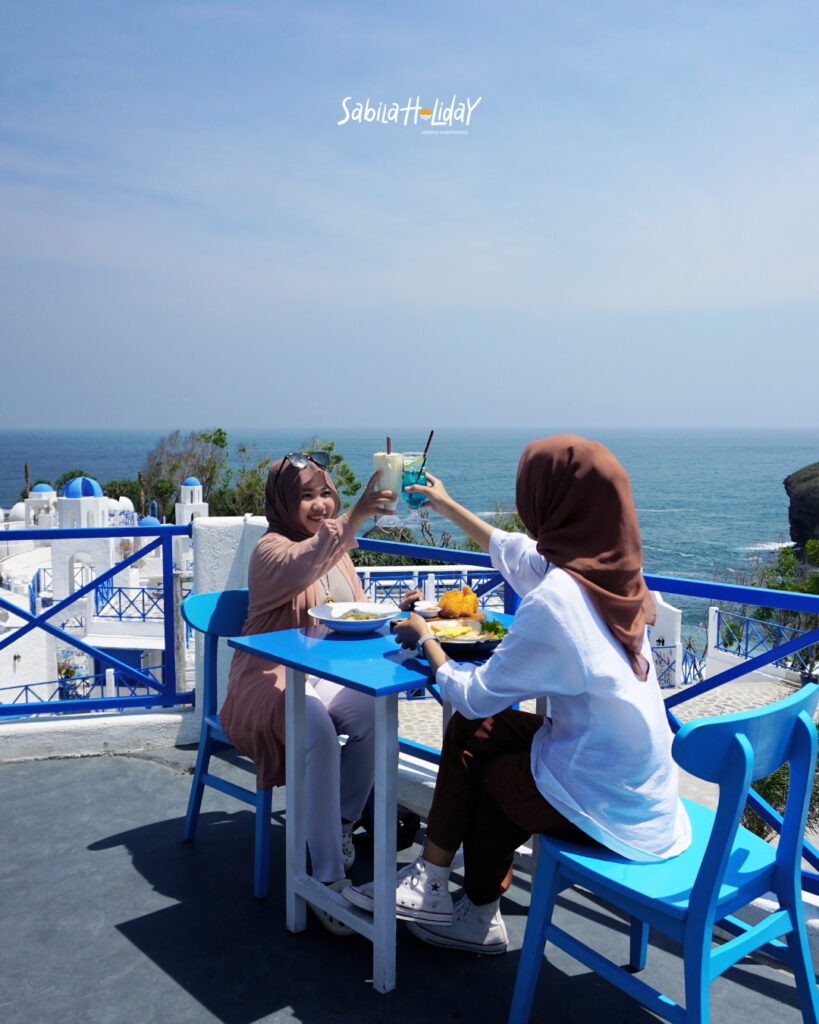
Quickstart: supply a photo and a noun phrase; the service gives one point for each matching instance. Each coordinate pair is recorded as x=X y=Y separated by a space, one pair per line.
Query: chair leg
x=696 y=960
x=261 y=862
x=541 y=906
x=197 y=786
x=804 y=976
x=638 y=944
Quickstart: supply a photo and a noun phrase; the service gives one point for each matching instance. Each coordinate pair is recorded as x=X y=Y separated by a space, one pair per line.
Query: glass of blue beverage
x=413 y=474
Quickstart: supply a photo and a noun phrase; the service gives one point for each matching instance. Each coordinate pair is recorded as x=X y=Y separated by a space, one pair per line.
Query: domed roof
x=149 y=521
x=17 y=513
x=125 y=503
x=37 y=488
x=82 y=487
x=191 y=482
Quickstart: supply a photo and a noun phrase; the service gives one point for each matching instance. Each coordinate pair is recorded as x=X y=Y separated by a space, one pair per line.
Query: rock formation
x=802 y=487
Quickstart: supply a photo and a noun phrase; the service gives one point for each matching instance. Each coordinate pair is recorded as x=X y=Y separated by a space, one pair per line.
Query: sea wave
x=770 y=545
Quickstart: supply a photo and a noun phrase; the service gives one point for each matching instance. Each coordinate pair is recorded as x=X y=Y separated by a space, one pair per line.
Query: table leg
x=386 y=796
x=296 y=802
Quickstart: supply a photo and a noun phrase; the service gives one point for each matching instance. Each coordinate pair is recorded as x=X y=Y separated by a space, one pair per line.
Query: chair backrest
x=736 y=750
x=222 y=613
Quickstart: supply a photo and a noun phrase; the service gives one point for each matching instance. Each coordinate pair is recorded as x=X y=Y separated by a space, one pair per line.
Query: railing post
x=179 y=632
x=510 y=600
x=169 y=611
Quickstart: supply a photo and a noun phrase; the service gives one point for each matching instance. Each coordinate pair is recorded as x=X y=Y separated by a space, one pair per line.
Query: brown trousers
x=486 y=798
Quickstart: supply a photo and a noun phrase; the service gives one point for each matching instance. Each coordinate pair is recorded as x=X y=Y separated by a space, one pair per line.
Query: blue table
x=372 y=663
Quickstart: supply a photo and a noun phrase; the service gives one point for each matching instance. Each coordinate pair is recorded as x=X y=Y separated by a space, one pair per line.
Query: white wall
x=222 y=548
x=29 y=660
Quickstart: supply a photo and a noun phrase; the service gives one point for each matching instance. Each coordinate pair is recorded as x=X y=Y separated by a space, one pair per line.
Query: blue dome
x=191 y=482
x=82 y=487
x=149 y=521
x=41 y=487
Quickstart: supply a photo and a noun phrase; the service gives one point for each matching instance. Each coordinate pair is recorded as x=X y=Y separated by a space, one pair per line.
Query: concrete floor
x=108 y=917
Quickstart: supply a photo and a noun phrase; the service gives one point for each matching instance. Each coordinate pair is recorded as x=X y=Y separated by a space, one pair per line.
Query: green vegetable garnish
x=494 y=627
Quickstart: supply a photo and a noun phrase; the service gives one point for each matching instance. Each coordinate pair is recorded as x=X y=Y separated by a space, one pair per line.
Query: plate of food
x=354 y=616
x=463 y=639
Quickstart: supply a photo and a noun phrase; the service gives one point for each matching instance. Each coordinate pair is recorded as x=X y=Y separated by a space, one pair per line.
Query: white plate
x=331 y=615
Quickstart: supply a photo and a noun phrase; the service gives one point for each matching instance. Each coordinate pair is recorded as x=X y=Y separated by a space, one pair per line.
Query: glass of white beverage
x=391 y=465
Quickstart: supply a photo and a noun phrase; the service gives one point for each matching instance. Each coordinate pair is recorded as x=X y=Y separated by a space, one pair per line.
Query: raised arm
x=437 y=497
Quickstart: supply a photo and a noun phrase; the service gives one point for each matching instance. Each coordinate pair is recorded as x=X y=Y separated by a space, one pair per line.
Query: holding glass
x=414 y=473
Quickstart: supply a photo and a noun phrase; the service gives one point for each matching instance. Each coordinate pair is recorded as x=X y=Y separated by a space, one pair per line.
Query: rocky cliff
x=802 y=487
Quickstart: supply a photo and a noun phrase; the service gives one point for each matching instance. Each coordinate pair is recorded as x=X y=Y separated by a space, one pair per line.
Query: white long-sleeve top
x=605 y=760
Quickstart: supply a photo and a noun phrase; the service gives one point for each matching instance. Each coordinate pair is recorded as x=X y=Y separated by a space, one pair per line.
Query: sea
x=711 y=503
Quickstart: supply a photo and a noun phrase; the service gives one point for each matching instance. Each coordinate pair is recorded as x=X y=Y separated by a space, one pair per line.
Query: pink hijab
x=575 y=499
x=282 y=495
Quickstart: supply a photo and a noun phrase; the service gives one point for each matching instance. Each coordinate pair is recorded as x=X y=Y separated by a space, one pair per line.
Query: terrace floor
x=107 y=916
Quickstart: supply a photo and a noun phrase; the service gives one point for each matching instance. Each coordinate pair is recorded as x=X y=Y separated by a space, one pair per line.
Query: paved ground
x=108 y=917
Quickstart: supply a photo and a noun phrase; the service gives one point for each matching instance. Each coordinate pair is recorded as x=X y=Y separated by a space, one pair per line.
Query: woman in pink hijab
x=301 y=562
x=599 y=768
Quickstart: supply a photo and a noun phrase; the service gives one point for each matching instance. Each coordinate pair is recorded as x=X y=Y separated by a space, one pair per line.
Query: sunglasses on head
x=300 y=459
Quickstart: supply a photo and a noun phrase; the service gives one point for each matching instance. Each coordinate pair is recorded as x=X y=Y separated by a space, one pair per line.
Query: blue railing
x=144 y=689
x=380 y=585
x=78 y=689
x=713 y=592
x=137 y=603
x=665 y=662
x=693 y=667
x=746 y=637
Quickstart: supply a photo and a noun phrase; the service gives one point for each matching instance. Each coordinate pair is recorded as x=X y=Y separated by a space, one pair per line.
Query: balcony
x=110 y=916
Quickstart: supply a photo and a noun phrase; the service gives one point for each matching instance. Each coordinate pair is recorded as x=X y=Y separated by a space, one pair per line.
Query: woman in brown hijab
x=599 y=769
x=300 y=562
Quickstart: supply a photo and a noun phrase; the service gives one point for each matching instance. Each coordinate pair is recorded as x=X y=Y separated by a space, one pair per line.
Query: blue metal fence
x=136 y=687
x=745 y=636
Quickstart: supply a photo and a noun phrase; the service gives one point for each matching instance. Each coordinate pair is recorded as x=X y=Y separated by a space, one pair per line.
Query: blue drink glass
x=413 y=474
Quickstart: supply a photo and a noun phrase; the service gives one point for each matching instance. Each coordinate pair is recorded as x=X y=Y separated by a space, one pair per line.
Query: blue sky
x=627 y=235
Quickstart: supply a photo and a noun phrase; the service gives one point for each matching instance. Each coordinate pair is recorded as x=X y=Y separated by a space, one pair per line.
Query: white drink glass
x=392 y=474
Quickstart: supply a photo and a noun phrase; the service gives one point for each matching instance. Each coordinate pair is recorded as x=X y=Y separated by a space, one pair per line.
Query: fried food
x=457 y=603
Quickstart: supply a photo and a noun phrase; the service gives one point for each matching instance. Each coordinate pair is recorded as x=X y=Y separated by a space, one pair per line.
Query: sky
x=624 y=235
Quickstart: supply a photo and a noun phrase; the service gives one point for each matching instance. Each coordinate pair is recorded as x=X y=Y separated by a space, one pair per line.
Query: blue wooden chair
x=724 y=869
x=219 y=615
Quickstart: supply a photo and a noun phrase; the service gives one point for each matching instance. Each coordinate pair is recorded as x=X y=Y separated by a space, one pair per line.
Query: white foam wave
x=767 y=546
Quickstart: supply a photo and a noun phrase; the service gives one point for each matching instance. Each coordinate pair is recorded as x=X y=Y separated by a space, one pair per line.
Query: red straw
x=389 y=444
x=429 y=442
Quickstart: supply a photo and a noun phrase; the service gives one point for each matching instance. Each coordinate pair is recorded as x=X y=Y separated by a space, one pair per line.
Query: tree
x=203 y=454
x=342 y=476
x=63 y=478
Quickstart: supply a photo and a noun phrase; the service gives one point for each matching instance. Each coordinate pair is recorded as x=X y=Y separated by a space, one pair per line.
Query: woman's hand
x=409 y=630
x=370 y=502
x=434 y=492
x=409 y=599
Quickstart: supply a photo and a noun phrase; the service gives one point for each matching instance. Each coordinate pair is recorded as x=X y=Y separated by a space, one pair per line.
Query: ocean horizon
x=710 y=502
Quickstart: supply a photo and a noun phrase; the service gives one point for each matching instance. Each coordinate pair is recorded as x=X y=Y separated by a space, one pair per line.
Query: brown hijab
x=575 y=499
x=282 y=495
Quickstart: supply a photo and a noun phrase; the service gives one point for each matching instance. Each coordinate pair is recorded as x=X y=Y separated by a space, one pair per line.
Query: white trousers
x=338 y=778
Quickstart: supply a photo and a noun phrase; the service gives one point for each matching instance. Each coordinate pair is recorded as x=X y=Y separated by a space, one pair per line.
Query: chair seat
x=668 y=884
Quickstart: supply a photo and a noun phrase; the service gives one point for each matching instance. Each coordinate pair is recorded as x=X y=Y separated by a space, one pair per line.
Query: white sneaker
x=477 y=929
x=419 y=895
x=347 y=845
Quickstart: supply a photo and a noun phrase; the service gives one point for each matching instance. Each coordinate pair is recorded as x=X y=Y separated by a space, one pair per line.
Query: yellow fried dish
x=455 y=632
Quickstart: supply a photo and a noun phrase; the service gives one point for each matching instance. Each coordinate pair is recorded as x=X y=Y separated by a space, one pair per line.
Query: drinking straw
x=424 y=460
x=389 y=444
